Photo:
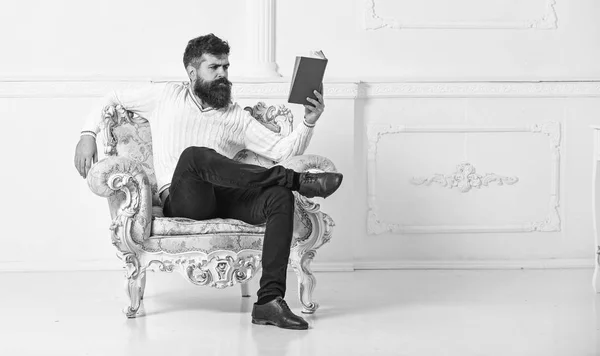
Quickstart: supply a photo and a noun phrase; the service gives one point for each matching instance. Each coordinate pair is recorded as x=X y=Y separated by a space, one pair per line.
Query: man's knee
x=280 y=199
x=194 y=153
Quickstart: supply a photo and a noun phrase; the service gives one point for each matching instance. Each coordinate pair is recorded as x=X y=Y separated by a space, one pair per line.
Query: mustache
x=220 y=81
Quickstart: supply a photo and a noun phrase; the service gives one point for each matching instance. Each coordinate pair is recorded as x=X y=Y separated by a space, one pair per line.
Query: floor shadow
x=167 y=303
x=384 y=290
x=270 y=340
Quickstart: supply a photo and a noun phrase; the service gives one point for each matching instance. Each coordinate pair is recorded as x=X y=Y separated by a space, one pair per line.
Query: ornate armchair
x=217 y=253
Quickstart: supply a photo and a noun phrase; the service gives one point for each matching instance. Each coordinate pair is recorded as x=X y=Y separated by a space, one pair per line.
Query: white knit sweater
x=178 y=121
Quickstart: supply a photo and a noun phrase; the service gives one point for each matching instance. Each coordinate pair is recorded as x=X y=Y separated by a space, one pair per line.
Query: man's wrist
x=308 y=124
x=91 y=134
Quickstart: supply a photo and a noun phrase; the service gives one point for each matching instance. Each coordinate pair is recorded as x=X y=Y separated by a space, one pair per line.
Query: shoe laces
x=284 y=305
x=309 y=178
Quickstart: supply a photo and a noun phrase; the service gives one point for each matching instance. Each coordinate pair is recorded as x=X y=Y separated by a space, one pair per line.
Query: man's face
x=213 y=67
x=211 y=84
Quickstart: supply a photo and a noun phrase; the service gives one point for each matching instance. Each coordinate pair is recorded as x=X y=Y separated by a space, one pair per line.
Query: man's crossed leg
x=208 y=185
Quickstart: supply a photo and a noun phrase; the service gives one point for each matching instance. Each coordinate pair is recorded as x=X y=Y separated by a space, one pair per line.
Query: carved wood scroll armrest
x=304 y=163
x=126 y=185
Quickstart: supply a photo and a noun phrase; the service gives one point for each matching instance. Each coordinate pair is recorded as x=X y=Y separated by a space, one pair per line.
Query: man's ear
x=191 y=71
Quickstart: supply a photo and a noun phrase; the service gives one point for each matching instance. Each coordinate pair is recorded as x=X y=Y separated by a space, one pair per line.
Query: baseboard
x=61 y=266
x=115 y=265
x=332 y=266
x=477 y=264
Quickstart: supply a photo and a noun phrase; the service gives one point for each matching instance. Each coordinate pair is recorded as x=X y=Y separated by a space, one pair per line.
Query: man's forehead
x=212 y=59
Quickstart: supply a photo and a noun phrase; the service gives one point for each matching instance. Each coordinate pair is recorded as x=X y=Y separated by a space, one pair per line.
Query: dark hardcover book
x=307 y=77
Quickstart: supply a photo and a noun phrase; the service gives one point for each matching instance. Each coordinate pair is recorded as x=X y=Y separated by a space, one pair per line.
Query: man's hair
x=198 y=46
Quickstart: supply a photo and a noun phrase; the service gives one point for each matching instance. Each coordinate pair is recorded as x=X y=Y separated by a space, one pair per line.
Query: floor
x=511 y=312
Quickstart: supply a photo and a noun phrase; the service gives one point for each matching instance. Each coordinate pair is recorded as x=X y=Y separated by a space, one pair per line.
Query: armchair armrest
x=304 y=163
x=127 y=187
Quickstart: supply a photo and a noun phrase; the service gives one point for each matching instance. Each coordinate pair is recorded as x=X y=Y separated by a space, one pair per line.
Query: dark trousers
x=208 y=185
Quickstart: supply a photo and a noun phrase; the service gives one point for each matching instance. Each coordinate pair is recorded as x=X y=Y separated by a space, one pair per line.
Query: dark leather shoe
x=277 y=312
x=319 y=184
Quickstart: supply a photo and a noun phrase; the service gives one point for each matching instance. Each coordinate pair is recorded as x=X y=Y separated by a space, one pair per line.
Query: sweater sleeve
x=269 y=144
x=140 y=99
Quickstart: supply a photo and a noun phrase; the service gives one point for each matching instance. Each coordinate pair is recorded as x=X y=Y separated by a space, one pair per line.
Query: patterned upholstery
x=134 y=141
x=213 y=234
x=203 y=243
x=183 y=226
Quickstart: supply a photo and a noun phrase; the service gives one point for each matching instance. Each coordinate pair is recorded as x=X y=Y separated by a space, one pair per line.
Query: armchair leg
x=135 y=283
x=245 y=290
x=250 y=287
x=306 y=279
x=143 y=287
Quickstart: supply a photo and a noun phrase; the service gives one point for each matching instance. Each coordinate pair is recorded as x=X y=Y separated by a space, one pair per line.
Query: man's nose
x=221 y=72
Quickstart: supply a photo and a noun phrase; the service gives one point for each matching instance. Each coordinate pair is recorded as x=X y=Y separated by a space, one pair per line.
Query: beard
x=216 y=93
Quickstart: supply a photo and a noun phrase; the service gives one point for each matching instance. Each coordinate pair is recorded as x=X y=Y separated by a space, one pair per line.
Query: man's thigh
x=191 y=198
x=247 y=205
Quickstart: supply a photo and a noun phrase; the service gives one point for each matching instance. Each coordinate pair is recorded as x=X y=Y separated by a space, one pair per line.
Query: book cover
x=307 y=77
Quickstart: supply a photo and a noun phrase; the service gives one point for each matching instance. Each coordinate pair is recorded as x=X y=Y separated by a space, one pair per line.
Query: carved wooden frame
x=124 y=181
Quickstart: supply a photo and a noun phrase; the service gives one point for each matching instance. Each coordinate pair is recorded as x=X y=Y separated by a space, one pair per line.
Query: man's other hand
x=312 y=113
x=86 y=154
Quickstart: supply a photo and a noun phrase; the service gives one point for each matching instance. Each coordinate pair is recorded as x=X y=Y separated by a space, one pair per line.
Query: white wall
x=114 y=39
x=448 y=69
x=545 y=215
x=349 y=35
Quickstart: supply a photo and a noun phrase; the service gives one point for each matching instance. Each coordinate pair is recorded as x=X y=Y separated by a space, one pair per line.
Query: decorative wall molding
x=546 y=19
x=375 y=225
x=555 y=263
x=464 y=179
x=84 y=87
x=281 y=90
x=92 y=89
x=479 y=89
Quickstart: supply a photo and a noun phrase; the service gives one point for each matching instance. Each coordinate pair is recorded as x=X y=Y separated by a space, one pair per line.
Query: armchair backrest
x=127 y=134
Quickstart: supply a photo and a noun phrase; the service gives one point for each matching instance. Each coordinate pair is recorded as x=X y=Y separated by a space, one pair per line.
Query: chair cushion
x=178 y=235
x=203 y=243
x=180 y=227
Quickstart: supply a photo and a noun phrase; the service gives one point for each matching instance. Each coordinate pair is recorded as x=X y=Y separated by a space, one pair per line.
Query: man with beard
x=196 y=130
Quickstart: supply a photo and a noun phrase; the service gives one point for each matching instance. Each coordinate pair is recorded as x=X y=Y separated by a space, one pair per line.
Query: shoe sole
x=266 y=322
